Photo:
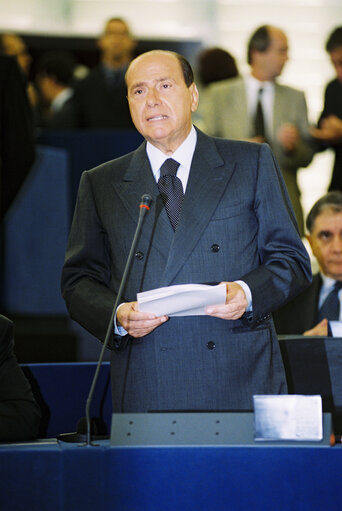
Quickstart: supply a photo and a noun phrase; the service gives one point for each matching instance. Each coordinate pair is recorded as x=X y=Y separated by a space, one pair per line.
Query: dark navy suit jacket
x=236 y=223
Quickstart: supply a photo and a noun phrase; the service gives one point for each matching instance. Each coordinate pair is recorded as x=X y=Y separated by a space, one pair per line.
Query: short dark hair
x=331 y=200
x=184 y=64
x=260 y=40
x=215 y=64
x=334 y=40
x=186 y=68
x=58 y=64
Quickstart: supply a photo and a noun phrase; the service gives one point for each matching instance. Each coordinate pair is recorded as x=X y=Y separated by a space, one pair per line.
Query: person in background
x=213 y=64
x=328 y=134
x=100 y=99
x=220 y=213
x=20 y=415
x=54 y=78
x=14 y=45
x=317 y=310
x=17 y=145
x=257 y=108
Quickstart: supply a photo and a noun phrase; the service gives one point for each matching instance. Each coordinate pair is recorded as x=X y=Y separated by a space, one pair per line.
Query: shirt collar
x=255 y=85
x=183 y=153
x=327 y=283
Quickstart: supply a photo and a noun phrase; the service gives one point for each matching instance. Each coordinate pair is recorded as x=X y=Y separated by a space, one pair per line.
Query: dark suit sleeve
x=19 y=413
x=285 y=268
x=16 y=132
x=86 y=279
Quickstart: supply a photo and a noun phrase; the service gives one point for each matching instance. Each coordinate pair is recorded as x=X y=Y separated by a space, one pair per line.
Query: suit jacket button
x=215 y=247
x=211 y=345
x=139 y=255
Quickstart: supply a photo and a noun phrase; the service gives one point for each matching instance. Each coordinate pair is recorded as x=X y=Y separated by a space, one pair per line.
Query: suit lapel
x=207 y=182
x=138 y=180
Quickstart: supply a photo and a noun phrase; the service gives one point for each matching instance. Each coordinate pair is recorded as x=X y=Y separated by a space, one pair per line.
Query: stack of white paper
x=181 y=300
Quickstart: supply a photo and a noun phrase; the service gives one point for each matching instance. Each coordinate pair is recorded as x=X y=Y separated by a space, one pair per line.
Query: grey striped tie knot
x=171 y=190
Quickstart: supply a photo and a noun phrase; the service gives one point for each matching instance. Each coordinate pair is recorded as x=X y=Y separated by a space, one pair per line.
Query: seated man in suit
x=317 y=310
x=19 y=413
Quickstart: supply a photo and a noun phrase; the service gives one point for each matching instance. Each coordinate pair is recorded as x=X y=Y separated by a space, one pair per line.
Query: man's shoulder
x=334 y=86
x=230 y=85
x=289 y=91
x=119 y=164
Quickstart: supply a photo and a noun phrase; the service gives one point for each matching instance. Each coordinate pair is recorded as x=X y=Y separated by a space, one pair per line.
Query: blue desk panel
x=56 y=477
x=62 y=390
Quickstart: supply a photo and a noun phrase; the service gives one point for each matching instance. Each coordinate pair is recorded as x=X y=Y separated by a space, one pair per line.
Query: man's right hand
x=137 y=324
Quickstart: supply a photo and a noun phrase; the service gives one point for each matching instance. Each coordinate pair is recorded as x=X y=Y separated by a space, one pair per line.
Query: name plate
x=288 y=417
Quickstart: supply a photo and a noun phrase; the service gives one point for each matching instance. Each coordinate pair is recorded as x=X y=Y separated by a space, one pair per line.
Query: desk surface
x=57 y=476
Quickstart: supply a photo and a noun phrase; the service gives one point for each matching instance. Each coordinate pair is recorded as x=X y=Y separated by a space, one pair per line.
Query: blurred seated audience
x=317 y=311
x=16 y=132
x=99 y=100
x=54 y=79
x=19 y=413
x=328 y=134
x=14 y=45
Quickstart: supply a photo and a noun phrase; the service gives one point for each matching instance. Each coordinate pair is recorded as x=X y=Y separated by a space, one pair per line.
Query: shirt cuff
x=118 y=329
x=335 y=328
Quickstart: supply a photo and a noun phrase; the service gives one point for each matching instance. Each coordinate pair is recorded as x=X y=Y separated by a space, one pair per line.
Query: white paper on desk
x=181 y=300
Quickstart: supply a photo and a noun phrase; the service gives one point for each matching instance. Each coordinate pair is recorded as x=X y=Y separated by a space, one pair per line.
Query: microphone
x=144 y=206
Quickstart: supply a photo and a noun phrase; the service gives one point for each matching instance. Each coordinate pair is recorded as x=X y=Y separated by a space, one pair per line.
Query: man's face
x=336 y=59
x=116 y=41
x=326 y=243
x=275 y=57
x=159 y=100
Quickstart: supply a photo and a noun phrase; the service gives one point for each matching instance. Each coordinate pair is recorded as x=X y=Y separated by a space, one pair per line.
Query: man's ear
x=194 y=97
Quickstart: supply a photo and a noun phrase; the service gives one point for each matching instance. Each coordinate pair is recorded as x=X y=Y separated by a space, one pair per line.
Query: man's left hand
x=235 y=305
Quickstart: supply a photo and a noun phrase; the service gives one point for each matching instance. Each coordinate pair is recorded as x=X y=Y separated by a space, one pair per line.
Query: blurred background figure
x=329 y=131
x=257 y=108
x=54 y=79
x=213 y=64
x=16 y=132
x=19 y=413
x=14 y=45
x=100 y=100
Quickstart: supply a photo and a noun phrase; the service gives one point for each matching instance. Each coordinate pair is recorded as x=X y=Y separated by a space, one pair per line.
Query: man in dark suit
x=16 y=132
x=19 y=412
x=329 y=131
x=317 y=310
x=235 y=226
x=99 y=100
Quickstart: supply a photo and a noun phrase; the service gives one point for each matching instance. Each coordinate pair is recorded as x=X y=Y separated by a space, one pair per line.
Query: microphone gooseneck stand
x=145 y=203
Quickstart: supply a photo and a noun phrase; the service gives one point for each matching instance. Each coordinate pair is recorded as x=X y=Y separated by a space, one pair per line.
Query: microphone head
x=146 y=201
